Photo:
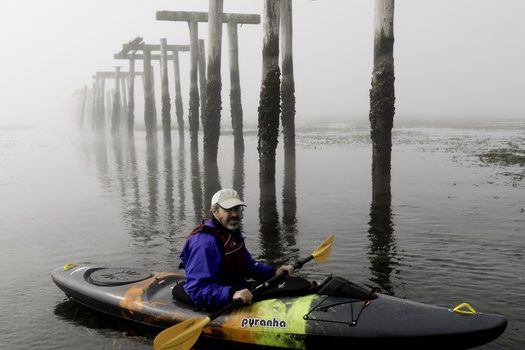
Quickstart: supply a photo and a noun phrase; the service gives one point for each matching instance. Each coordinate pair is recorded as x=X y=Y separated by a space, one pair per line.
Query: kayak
x=333 y=312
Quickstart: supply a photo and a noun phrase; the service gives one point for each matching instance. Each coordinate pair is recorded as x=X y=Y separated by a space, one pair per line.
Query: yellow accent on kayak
x=273 y=322
x=464 y=308
x=69 y=266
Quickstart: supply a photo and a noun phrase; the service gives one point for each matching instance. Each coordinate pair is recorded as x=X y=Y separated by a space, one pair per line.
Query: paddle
x=183 y=335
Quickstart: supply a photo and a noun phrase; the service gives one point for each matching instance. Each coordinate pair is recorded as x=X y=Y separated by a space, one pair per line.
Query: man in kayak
x=216 y=261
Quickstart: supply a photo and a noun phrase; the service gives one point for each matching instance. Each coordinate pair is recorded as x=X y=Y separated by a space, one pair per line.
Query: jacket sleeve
x=259 y=270
x=202 y=257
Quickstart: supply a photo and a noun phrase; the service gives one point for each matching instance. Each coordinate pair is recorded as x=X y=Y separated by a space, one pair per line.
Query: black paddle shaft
x=298 y=264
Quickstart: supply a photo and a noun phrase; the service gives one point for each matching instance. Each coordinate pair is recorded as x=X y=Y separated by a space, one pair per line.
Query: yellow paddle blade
x=182 y=336
x=324 y=250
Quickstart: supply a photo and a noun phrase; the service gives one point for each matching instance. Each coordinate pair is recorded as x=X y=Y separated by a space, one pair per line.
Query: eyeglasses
x=236 y=208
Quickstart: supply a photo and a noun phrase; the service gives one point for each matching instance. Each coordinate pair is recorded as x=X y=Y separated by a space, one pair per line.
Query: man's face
x=229 y=218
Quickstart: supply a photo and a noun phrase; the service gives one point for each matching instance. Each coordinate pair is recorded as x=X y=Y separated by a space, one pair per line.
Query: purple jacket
x=206 y=282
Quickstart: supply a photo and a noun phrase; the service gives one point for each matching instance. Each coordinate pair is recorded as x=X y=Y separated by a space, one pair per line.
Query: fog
x=452 y=58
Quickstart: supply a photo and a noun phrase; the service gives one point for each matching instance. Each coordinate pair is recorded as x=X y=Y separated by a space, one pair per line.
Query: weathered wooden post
x=94 y=105
x=115 y=113
x=150 y=119
x=124 y=106
x=269 y=103
x=382 y=96
x=179 y=110
x=165 y=97
x=192 y=19
x=131 y=97
x=213 y=102
x=129 y=52
x=212 y=117
x=202 y=78
x=193 y=116
x=102 y=106
x=82 y=113
x=235 y=87
x=99 y=105
x=287 y=81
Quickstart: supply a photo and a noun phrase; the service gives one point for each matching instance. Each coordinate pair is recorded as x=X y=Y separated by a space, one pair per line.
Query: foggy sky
x=452 y=57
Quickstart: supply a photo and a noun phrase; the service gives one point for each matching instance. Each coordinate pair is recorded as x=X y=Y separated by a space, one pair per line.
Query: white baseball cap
x=227 y=198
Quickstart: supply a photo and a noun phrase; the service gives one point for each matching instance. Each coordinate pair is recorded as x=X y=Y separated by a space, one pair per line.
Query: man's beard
x=231 y=226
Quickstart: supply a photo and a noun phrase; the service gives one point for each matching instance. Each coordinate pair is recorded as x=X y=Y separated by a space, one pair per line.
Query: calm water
x=454 y=231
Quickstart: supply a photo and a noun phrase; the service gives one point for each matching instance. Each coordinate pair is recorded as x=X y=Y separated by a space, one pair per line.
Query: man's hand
x=244 y=294
x=288 y=268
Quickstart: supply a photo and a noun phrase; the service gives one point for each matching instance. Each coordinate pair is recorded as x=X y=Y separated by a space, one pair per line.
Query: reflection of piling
x=181 y=184
x=169 y=185
x=269 y=222
x=196 y=184
x=152 y=179
x=287 y=83
x=238 y=171
x=289 y=198
x=269 y=103
x=382 y=241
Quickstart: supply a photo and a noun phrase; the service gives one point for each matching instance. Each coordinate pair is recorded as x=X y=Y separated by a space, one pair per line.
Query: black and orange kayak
x=334 y=312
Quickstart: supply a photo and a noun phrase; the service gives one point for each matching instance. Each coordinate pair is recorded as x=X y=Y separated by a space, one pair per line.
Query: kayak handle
x=464 y=308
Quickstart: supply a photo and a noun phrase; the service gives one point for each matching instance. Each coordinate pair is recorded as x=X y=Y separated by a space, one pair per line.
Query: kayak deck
x=308 y=321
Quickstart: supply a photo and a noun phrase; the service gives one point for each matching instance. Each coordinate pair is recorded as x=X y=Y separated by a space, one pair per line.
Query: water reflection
x=152 y=174
x=169 y=185
x=181 y=176
x=238 y=171
x=101 y=162
x=196 y=184
x=152 y=188
x=271 y=244
x=382 y=249
x=290 y=201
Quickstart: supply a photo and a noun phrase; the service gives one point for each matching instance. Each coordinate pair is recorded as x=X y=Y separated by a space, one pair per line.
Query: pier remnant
x=211 y=118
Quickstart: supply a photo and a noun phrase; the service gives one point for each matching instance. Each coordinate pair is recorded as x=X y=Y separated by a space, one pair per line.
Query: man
x=215 y=259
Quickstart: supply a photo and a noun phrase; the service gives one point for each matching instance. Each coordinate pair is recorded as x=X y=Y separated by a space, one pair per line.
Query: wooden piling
x=131 y=97
x=115 y=113
x=214 y=17
x=149 y=103
x=165 y=94
x=179 y=110
x=235 y=87
x=269 y=103
x=202 y=77
x=382 y=94
x=287 y=80
x=193 y=116
x=212 y=118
